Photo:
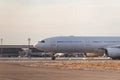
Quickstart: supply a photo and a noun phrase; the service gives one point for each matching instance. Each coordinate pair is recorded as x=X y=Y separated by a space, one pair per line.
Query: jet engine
x=114 y=53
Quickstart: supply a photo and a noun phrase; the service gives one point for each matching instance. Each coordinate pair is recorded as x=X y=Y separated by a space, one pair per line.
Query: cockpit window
x=42 y=41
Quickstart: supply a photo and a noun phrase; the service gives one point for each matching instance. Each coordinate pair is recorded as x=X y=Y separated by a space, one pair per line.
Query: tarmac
x=46 y=69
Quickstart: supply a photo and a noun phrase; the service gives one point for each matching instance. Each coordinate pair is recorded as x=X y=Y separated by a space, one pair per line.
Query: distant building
x=15 y=50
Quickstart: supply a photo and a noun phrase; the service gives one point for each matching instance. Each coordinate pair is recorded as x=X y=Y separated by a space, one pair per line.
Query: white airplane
x=72 y=44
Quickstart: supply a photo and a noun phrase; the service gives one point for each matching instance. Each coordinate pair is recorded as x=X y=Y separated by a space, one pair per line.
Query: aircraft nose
x=40 y=46
x=36 y=45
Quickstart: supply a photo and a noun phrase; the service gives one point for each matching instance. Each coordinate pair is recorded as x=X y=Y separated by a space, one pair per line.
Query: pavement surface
x=71 y=59
x=58 y=70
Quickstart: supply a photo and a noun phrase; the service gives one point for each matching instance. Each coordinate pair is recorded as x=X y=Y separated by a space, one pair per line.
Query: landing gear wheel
x=53 y=57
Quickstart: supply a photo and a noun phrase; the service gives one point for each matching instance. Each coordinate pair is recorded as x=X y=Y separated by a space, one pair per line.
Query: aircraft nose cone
x=35 y=45
x=39 y=46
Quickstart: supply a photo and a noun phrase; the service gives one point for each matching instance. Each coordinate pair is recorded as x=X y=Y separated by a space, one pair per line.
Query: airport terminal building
x=18 y=50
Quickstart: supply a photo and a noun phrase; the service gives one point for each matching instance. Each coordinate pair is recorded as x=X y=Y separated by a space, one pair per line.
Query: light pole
x=1 y=45
x=29 y=40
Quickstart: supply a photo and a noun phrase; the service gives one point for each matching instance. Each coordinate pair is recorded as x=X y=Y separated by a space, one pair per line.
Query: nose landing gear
x=53 y=56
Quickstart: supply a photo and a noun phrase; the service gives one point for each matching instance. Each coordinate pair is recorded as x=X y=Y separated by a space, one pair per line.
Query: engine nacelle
x=113 y=52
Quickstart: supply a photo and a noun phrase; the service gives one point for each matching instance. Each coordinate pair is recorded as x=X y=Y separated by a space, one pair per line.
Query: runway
x=20 y=72
x=60 y=69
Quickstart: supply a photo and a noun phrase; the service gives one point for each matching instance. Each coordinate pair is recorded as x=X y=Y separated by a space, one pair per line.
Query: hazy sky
x=39 y=19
